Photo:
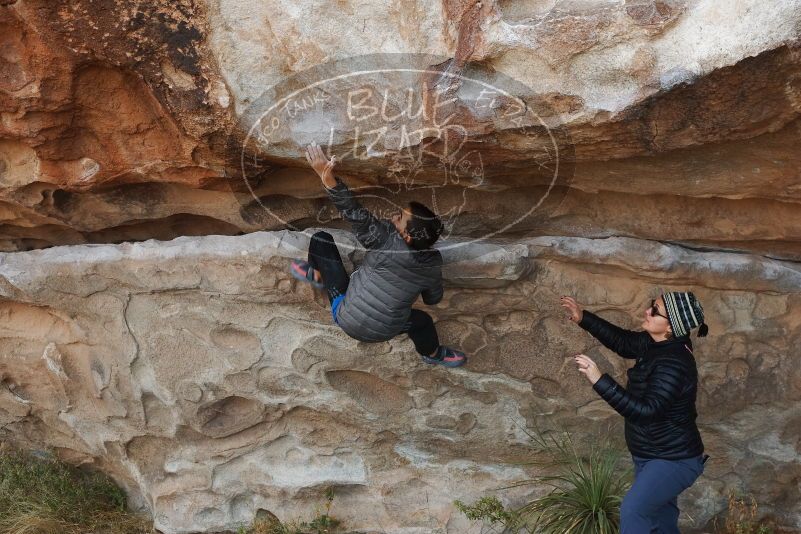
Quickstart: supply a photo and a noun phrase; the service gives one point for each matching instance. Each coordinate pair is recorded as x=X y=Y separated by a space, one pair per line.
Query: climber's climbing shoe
x=446 y=356
x=301 y=270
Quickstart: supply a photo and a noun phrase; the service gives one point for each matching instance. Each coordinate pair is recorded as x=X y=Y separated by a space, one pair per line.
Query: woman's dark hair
x=424 y=227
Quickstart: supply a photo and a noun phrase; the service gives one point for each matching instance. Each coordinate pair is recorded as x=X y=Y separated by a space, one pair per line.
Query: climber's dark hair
x=424 y=227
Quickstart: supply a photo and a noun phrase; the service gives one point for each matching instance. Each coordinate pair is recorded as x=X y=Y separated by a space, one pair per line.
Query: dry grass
x=322 y=523
x=742 y=517
x=45 y=496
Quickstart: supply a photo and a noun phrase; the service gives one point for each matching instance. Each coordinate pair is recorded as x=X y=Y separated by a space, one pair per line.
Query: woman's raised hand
x=587 y=367
x=576 y=313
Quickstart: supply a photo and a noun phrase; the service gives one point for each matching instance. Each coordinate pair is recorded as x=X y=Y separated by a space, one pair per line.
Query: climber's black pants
x=422 y=332
x=324 y=257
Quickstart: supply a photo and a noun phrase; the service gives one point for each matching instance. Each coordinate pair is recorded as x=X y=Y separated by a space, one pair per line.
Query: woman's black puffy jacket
x=659 y=399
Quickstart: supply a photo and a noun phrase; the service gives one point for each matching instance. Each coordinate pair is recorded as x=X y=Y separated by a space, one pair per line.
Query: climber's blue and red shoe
x=303 y=271
x=447 y=357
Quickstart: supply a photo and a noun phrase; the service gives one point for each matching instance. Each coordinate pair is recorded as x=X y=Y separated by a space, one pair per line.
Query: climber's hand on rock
x=321 y=164
x=588 y=368
x=576 y=313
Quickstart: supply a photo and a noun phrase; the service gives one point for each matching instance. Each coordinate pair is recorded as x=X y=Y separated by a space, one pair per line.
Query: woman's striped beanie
x=684 y=313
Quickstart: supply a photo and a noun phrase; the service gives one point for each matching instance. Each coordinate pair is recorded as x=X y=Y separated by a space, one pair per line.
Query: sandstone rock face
x=606 y=149
x=213 y=385
x=118 y=117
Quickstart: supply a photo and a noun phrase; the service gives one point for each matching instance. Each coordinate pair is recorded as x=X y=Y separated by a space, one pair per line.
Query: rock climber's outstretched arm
x=370 y=231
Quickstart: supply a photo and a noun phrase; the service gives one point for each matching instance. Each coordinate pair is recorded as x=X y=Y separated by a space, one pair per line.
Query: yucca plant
x=587 y=486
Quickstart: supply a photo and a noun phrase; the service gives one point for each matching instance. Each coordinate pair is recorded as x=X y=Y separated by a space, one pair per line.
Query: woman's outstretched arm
x=663 y=387
x=626 y=343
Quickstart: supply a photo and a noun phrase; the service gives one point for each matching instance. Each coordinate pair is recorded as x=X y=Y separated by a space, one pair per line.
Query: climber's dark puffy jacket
x=659 y=399
x=392 y=275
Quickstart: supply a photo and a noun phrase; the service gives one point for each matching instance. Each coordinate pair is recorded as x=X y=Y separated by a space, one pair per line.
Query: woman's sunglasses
x=655 y=310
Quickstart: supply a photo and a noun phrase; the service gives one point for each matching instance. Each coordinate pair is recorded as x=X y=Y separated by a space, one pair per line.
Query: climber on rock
x=658 y=404
x=375 y=303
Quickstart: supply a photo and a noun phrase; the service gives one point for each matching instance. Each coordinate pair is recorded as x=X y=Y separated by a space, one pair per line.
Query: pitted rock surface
x=213 y=385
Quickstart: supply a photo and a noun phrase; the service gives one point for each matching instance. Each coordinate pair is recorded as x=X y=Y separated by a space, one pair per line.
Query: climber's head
x=419 y=226
x=675 y=313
